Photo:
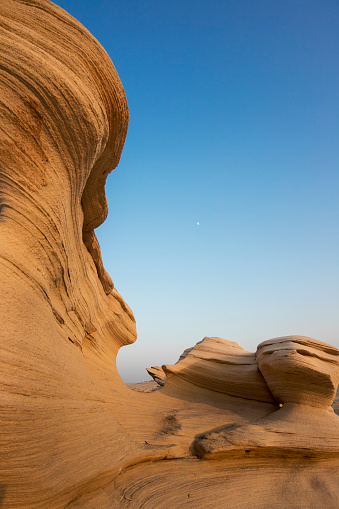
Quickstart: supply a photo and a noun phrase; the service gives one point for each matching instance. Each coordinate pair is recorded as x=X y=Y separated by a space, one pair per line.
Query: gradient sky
x=234 y=122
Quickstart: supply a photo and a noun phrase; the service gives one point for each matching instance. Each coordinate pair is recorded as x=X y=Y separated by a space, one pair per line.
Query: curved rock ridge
x=64 y=117
x=64 y=121
x=222 y=366
x=72 y=434
x=303 y=375
x=158 y=374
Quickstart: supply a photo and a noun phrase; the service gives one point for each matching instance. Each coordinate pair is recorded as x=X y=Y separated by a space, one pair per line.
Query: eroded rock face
x=222 y=366
x=158 y=374
x=72 y=434
x=301 y=370
x=302 y=374
x=64 y=117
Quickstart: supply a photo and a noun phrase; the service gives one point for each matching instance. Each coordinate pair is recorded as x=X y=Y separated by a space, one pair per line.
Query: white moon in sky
x=198 y=224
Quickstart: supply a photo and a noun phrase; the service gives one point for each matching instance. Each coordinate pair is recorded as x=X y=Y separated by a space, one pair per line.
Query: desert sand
x=228 y=429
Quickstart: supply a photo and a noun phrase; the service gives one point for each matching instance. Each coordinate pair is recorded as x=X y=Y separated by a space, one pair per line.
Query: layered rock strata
x=158 y=374
x=302 y=374
x=222 y=366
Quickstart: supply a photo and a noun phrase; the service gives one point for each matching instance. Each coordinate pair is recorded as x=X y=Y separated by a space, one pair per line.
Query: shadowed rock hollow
x=72 y=434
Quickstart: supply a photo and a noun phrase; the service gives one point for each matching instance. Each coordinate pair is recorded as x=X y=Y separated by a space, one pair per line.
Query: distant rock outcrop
x=158 y=374
x=72 y=434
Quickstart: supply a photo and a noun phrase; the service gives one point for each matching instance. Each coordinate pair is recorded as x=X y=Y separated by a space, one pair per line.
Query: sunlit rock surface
x=158 y=374
x=72 y=434
x=222 y=366
x=303 y=375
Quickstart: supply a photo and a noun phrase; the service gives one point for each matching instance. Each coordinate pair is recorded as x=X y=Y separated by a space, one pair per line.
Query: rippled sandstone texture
x=71 y=433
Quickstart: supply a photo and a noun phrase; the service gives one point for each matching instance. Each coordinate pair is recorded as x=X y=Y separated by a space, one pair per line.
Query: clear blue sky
x=234 y=122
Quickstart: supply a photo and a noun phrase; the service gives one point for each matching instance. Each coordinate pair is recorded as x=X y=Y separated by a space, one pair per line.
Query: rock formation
x=72 y=434
x=216 y=364
x=303 y=375
x=158 y=374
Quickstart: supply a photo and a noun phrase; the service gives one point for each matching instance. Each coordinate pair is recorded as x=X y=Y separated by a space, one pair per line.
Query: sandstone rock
x=302 y=374
x=222 y=366
x=158 y=374
x=300 y=370
x=72 y=434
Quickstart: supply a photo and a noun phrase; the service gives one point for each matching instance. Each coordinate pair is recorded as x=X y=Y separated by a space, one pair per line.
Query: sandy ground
x=146 y=386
